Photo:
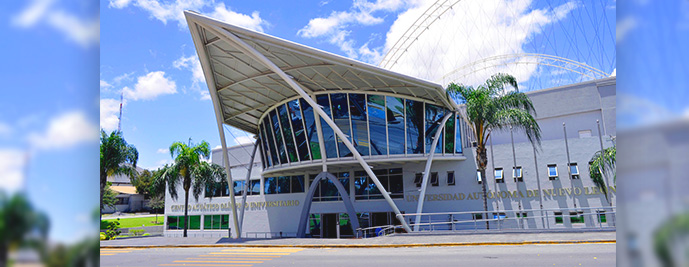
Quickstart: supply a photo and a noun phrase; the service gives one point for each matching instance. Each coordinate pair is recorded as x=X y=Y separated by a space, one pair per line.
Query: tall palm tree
x=492 y=107
x=20 y=224
x=116 y=158
x=603 y=165
x=189 y=168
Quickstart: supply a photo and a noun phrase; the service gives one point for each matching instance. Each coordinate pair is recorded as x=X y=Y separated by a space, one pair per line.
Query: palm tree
x=603 y=165
x=116 y=158
x=20 y=224
x=491 y=107
x=189 y=167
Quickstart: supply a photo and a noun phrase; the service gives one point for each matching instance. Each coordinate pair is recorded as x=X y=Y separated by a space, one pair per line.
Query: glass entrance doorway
x=325 y=225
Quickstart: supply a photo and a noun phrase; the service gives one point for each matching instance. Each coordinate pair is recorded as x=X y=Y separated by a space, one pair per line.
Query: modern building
x=127 y=198
x=343 y=145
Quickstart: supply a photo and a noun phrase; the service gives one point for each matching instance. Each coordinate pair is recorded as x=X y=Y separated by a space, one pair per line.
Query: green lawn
x=137 y=222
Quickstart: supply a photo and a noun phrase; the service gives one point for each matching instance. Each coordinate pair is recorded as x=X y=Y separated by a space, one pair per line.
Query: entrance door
x=329 y=225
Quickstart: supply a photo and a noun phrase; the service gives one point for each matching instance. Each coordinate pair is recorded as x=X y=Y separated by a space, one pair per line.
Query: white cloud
x=163 y=151
x=104 y=86
x=84 y=32
x=151 y=86
x=334 y=27
x=5 y=129
x=119 y=3
x=123 y=77
x=465 y=34
x=624 y=27
x=12 y=163
x=174 y=11
x=638 y=111
x=253 y=22
x=64 y=131
x=193 y=64
x=109 y=112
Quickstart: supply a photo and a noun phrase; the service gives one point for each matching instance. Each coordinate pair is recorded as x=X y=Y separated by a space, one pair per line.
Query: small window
x=478 y=177
x=558 y=217
x=477 y=216
x=498 y=176
x=601 y=216
x=552 y=171
x=517 y=174
x=584 y=133
x=450 y=178
x=417 y=179
x=434 y=179
x=576 y=217
x=521 y=214
x=574 y=169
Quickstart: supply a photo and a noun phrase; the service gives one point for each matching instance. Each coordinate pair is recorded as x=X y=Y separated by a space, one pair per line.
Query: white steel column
x=219 y=120
x=246 y=186
x=244 y=47
x=321 y=141
x=427 y=170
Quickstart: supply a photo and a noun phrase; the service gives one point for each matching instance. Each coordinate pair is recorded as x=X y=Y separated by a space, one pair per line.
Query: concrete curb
x=553 y=242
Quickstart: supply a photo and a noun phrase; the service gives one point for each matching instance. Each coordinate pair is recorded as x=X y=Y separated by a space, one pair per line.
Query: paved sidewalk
x=398 y=240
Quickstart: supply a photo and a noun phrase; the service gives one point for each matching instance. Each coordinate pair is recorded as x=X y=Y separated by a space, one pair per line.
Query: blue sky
x=147 y=54
x=48 y=120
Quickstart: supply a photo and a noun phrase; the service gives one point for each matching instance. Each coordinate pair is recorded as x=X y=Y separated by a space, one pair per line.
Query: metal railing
x=526 y=220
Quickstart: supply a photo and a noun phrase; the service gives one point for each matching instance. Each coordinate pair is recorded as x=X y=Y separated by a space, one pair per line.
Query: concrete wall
x=579 y=106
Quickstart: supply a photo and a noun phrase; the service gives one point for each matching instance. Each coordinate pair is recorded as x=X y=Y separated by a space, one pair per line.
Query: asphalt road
x=502 y=255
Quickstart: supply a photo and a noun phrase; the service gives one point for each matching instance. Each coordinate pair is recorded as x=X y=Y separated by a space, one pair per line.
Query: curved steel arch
x=412 y=34
x=303 y=219
x=537 y=59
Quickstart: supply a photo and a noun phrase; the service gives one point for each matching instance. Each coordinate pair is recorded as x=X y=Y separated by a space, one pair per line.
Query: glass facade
x=376 y=125
x=283 y=185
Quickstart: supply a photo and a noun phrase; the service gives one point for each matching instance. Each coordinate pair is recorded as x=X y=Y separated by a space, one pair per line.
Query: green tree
x=20 y=224
x=116 y=158
x=491 y=107
x=144 y=183
x=156 y=203
x=109 y=196
x=603 y=165
x=189 y=168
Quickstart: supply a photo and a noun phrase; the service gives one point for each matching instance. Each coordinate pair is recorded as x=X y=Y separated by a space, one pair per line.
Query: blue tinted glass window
x=287 y=133
x=283 y=185
x=340 y=110
x=376 y=124
x=434 y=115
x=394 y=107
x=450 y=135
x=328 y=190
x=311 y=132
x=328 y=134
x=297 y=184
x=271 y=141
x=458 y=135
x=278 y=136
x=298 y=127
x=270 y=185
x=415 y=127
x=255 y=187
x=265 y=148
x=357 y=108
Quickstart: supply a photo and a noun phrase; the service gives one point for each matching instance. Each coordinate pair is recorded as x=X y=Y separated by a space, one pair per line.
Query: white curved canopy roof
x=246 y=88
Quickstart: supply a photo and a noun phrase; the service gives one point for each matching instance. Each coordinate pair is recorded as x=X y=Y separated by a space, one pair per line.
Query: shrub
x=136 y=232
x=113 y=230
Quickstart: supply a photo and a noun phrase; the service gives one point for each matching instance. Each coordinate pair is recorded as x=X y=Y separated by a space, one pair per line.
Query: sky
x=49 y=106
x=147 y=55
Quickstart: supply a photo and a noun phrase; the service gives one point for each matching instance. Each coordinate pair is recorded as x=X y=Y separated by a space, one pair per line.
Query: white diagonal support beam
x=427 y=171
x=250 y=51
x=203 y=57
x=246 y=186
